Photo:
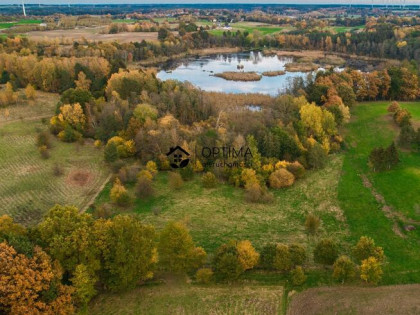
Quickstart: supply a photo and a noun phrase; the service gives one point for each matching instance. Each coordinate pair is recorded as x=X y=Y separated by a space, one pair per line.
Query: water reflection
x=200 y=73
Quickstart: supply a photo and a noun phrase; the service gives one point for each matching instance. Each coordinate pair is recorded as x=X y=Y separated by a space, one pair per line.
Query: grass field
x=371 y=126
x=343 y=29
x=4 y=25
x=178 y=297
x=264 y=29
x=28 y=187
x=217 y=215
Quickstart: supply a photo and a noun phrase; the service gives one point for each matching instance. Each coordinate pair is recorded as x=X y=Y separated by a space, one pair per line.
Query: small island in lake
x=239 y=76
x=274 y=73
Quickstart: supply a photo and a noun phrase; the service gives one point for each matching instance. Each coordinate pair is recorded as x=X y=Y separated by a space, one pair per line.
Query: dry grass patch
x=191 y=299
x=239 y=76
x=398 y=300
x=274 y=73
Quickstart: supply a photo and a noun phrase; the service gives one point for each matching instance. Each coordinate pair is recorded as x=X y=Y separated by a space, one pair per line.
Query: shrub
x=325 y=252
x=209 y=180
x=198 y=167
x=128 y=174
x=393 y=107
x=255 y=193
x=58 y=170
x=187 y=172
x=312 y=224
x=204 y=275
x=296 y=169
x=144 y=188
x=344 y=269
x=407 y=136
x=297 y=254
x=371 y=270
x=175 y=180
x=97 y=144
x=111 y=152
x=268 y=254
x=119 y=194
x=298 y=276
x=69 y=134
x=146 y=174
x=43 y=150
x=282 y=259
x=30 y=92
x=402 y=117
x=366 y=248
x=43 y=139
x=317 y=156
x=152 y=168
x=281 y=178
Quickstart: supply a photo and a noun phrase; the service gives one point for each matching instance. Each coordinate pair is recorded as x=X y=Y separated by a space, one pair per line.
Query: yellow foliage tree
x=248 y=256
x=82 y=82
x=30 y=92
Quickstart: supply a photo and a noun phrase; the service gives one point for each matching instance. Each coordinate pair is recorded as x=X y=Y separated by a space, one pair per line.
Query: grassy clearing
x=372 y=127
x=402 y=299
x=344 y=29
x=177 y=297
x=264 y=29
x=217 y=215
x=20 y=22
x=28 y=186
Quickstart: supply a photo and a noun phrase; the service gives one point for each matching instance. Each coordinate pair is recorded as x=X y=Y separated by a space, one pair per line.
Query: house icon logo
x=179 y=158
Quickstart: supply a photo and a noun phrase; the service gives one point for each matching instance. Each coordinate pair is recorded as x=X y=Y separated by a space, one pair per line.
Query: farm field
x=29 y=187
x=92 y=34
x=214 y=216
x=177 y=297
x=364 y=213
x=399 y=299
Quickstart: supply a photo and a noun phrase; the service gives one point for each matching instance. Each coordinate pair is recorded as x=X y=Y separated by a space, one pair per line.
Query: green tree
x=84 y=283
x=111 y=152
x=176 y=249
x=282 y=259
x=325 y=252
x=128 y=251
x=344 y=269
x=226 y=262
x=67 y=236
x=298 y=276
x=317 y=157
x=297 y=254
x=268 y=254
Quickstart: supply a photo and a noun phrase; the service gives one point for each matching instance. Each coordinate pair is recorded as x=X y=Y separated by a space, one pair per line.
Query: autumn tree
x=366 y=248
x=119 y=194
x=177 y=251
x=371 y=270
x=82 y=82
x=298 y=276
x=32 y=286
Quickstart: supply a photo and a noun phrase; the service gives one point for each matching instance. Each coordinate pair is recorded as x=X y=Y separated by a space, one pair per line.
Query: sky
x=407 y=2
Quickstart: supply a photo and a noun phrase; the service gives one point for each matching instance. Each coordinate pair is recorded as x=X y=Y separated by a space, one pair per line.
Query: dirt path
x=390 y=213
x=91 y=200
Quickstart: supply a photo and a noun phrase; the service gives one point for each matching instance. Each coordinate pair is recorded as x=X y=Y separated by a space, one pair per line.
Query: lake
x=200 y=72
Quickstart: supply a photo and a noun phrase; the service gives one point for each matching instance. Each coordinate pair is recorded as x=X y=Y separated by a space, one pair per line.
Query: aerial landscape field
x=209 y=158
